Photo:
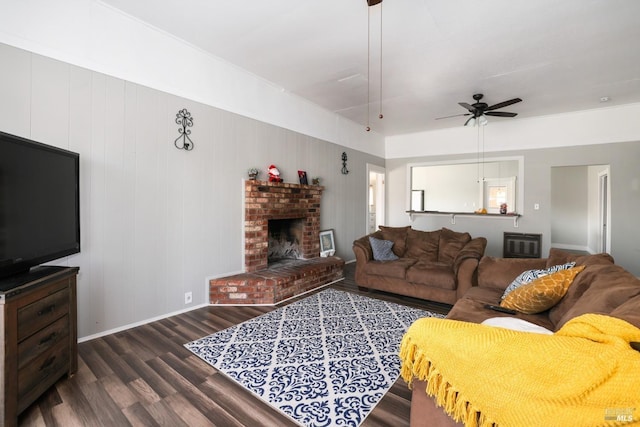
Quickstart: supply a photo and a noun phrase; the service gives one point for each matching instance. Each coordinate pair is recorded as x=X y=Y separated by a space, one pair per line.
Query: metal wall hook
x=344 y=163
x=184 y=119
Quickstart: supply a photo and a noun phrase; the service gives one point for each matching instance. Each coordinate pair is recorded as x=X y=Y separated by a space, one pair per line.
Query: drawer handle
x=47 y=310
x=49 y=338
x=47 y=363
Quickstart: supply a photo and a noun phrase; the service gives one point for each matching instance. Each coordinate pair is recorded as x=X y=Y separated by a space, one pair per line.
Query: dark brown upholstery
x=435 y=265
x=601 y=287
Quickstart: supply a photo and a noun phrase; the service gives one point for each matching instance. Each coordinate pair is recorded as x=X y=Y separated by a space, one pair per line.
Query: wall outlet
x=536 y=206
x=188 y=297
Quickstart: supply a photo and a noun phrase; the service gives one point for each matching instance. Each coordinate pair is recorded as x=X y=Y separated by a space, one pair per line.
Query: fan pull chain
x=380 y=116
x=368 y=128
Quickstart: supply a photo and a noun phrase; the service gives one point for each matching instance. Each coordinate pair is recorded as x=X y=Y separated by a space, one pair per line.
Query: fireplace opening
x=285 y=240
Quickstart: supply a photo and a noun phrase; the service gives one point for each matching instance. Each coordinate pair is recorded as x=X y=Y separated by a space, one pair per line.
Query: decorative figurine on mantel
x=274 y=174
x=253 y=173
x=315 y=181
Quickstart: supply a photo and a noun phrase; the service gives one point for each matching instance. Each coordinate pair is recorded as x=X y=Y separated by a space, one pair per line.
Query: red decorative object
x=274 y=174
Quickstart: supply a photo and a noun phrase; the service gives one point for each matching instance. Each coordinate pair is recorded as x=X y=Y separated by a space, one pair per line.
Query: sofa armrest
x=363 y=252
x=466 y=276
x=498 y=273
x=474 y=249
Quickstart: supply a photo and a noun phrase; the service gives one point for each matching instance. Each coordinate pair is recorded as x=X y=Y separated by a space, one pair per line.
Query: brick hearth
x=273 y=285
x=264 y=284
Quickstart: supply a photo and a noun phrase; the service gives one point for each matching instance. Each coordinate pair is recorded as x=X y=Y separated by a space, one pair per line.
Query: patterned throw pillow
x=382 y=249
x=541 y=294
x=531 y=275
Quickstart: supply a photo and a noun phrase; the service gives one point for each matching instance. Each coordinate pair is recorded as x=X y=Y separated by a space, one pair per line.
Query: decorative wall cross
x=184 y=119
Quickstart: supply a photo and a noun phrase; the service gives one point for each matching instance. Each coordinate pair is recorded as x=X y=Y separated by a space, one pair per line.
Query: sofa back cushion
x=597 y=289
x=398 y=235
x=558 y=256
x=629 y=311
x=423 y=245
x=451 y=242
x=498 y=273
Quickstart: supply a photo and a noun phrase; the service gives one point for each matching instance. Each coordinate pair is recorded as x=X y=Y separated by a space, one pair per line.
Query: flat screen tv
x=39 y=204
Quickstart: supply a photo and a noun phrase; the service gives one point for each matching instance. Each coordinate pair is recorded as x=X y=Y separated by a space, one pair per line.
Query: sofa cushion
x=398 y=235
x=451 y=242
x=396 y=269
x=558 y=256
x=529 y=276
x=423 y=245
x=471 y=308
x=598 y=289
x=381 y=249
x=435 y=274
x=541 y=294
x=497 y=273
x=629 y=311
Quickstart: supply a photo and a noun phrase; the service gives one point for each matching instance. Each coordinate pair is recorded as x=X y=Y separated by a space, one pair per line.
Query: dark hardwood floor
x=145 y=377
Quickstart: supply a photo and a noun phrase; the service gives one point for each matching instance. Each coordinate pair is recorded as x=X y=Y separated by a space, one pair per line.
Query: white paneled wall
x=157 y=221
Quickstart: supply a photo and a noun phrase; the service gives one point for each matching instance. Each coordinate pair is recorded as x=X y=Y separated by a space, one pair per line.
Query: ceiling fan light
x=471 y=122
x=482 y=121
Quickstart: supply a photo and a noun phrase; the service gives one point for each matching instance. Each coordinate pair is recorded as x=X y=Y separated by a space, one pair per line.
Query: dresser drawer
x=37 y=315
x=43 y=371
x=42 y=340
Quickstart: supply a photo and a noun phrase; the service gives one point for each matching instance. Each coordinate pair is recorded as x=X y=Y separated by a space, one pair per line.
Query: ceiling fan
x=478 y=110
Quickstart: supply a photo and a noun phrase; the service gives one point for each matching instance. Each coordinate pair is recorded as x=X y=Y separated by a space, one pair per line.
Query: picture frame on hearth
x=327 y=243
x=302 y=176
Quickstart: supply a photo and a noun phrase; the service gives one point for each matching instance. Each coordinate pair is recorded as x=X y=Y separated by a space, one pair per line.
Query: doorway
x=604 y=210
x=375 y=197
x=581 y=208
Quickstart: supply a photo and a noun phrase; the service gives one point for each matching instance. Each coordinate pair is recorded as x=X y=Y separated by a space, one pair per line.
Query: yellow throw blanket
x=586 y=374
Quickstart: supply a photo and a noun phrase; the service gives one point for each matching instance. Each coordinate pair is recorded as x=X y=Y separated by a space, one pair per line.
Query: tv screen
x=39 y=204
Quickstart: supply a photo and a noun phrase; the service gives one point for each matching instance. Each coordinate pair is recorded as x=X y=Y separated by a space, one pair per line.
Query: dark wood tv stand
x=39 y=336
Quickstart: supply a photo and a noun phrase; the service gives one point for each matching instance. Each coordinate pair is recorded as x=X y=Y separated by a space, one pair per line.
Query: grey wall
x=569 y=207
x=157 y=221
x=625 y=197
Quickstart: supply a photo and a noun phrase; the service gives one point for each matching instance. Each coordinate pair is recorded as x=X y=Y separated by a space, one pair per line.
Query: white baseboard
x=140 y=323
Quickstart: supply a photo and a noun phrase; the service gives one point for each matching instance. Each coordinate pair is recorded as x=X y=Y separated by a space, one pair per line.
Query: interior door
x=375 y=197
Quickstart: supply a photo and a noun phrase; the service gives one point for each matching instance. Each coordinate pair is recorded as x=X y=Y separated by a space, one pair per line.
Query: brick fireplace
x=266 y=201
x=262 y=283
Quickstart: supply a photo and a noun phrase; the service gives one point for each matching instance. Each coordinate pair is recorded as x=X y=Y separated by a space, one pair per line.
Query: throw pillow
x=516 y=324
x=529 y=276
x=398 y=235
x=541 y=294
x=382 y=249
x=422 y=245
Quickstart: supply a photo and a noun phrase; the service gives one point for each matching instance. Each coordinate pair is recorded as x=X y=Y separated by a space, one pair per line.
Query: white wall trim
x=136 y=324
x=588 y=127
x=96 y=36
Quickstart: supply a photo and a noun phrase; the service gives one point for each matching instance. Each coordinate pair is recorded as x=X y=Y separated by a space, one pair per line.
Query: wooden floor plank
x=145 y=377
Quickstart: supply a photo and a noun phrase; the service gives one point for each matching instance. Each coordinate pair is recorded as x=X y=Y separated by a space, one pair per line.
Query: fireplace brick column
x=276 y=200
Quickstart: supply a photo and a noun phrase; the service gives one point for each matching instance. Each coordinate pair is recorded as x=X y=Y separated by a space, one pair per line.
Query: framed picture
x=302 y=176
x=327 y=243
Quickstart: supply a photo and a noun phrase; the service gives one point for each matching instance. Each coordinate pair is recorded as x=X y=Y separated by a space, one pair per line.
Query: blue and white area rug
x=325 y=360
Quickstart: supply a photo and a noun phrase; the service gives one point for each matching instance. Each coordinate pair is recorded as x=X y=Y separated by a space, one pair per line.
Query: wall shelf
x=453 y=215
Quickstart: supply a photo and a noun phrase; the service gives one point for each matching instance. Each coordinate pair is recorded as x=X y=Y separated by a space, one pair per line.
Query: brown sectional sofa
x=602 y=288
x=435 y=265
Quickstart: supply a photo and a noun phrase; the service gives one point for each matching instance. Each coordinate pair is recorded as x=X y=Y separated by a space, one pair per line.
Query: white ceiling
x=558 y=56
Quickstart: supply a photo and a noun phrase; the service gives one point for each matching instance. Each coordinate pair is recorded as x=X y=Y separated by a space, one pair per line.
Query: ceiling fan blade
x=503 y=104
x=455 y=115
x=500 y=114
x=468 y=107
